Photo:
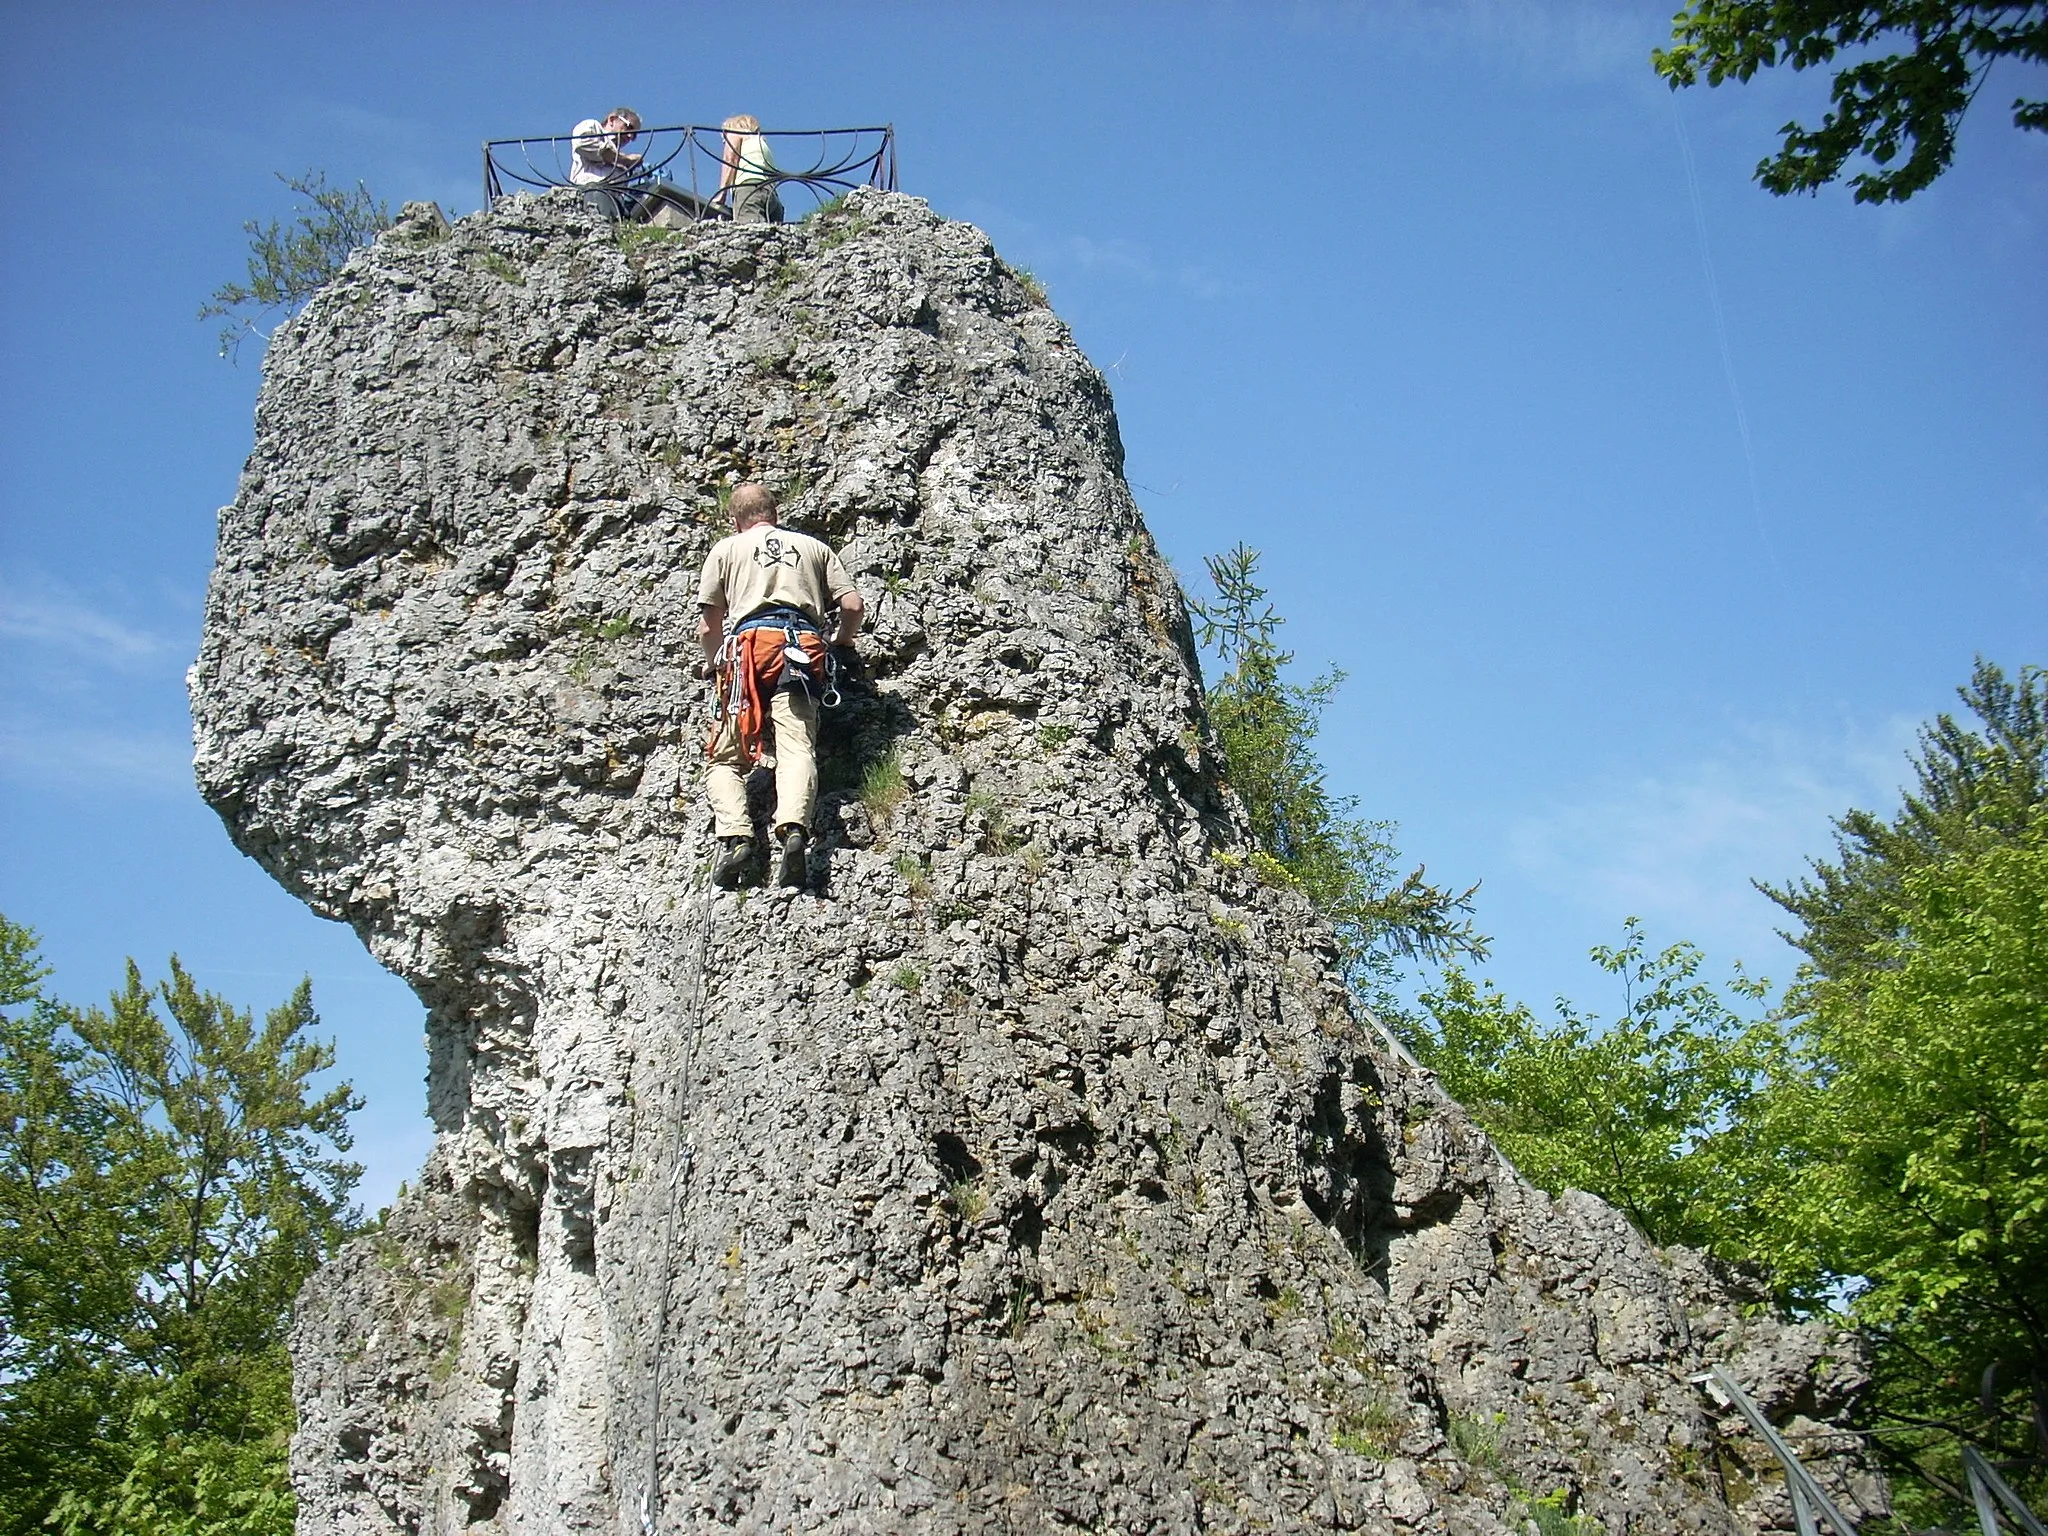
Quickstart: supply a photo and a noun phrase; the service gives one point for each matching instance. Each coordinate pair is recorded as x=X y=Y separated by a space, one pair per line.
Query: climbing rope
x=650 y=1487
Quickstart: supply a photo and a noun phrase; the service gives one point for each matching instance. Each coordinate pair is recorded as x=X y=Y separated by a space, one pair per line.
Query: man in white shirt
x=612 y=179
x=597 y=152
x=764 y=603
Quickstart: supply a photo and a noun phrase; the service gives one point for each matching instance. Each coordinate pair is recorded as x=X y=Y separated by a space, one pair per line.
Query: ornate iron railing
x=811 y=166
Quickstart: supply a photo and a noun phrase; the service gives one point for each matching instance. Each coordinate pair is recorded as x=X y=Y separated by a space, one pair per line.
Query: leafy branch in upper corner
x=1314 y=840
x=1883 y=103
x=289 y=262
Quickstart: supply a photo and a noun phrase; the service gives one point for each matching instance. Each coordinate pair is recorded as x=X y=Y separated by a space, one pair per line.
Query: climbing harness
x=679 y=1170
x=777 y=649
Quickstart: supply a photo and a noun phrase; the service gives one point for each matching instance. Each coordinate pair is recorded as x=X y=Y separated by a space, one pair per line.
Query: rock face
x=1031 y=1173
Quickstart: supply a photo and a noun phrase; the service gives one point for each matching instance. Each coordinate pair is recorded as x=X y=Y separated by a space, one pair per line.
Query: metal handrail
x=1986 y=1485
x=1808 y=1497
x=826 y=162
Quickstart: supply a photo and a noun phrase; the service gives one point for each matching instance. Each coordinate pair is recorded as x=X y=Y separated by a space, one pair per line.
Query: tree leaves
x=1313 y=840
x=1907 y=102
x=1971 y=789
x=1648 y=1110
x=1928 y=1166
x=170 y=1172
x=1876 y=1146
x=288 y=263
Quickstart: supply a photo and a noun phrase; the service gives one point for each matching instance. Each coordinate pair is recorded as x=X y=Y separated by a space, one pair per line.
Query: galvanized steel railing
x=1985 y=1486
x=1808 y=1497
x=1987 y=1489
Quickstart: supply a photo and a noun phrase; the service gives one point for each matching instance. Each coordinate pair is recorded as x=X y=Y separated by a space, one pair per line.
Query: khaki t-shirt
x=768 y=566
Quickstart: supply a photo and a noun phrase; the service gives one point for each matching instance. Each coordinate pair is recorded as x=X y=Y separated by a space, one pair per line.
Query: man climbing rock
x=764 y=603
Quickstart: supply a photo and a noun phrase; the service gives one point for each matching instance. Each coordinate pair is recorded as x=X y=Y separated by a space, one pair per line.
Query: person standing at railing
x=747 y=172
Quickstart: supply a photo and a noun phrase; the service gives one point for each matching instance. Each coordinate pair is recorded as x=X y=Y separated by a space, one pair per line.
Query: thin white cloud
x=93 y=761
x=1124 y=258
x=1680 y=848
x=54 y=618
x=1056 y=256
x=1577 y=41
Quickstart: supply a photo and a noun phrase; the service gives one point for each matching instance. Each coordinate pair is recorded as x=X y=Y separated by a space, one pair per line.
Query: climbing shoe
x=732 y=863
x=790 y=869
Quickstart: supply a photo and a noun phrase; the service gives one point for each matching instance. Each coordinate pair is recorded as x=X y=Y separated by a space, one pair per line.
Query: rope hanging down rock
x=679 y=1171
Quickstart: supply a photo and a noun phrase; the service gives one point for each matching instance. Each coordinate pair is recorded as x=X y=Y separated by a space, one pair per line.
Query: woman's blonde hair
x=742 y=122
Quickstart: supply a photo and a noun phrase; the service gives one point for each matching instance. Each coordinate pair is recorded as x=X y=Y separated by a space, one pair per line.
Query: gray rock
x=1032 y=1172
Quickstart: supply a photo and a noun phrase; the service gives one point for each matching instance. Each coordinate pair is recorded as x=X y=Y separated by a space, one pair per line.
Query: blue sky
x=1646 y=512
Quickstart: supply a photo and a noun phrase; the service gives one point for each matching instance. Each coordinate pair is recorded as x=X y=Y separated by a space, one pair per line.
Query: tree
x=288 y=263
x=169 y=1175
x=1308 y=838
x=1649 y=1111
x=1919 y=1123
x=1911 y=99
x=1878 y=1146
x=1971 y=790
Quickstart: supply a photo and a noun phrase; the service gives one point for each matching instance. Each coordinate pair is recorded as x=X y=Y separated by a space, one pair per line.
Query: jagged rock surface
x=1033 y=1173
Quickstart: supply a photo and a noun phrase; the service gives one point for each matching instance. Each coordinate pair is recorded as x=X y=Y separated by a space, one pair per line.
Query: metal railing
x=812 y=166
x=1985 y=1486
x=1987 y=1489
x=1808 y=1497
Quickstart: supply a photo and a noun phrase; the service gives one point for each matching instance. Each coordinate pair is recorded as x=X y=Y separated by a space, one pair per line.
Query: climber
x=763 y=604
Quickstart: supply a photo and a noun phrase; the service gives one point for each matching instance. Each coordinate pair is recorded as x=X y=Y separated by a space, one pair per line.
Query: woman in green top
x=747 y=171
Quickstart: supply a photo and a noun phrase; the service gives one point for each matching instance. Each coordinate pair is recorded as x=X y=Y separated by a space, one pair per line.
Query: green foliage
x=1551 y=1516
x=1646 y=1111
x=502 y=268
x=631 y=237
x=288 y=263
x=836 y=223
x=1883 y=102
x=181 y=1483
x=1314 y=840
x=169 y=1175
x=1053 y=737
x=1477 y=1441
x=1972 y=790
x=915 y=874
x=1879 y=1146
x=1919 y=1127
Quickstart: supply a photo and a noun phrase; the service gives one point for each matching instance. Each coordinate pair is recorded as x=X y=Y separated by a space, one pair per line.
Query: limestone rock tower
x=1029 y=1173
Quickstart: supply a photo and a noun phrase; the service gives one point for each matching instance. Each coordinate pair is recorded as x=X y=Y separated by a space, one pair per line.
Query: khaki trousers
x=795 y=714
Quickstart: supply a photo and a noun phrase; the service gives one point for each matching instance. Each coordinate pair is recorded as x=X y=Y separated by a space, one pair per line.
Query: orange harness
x=750 y=668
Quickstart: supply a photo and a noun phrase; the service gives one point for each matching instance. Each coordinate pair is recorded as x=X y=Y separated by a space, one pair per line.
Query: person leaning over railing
x=599 y=163
x=746 y=174
x=601 y=168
